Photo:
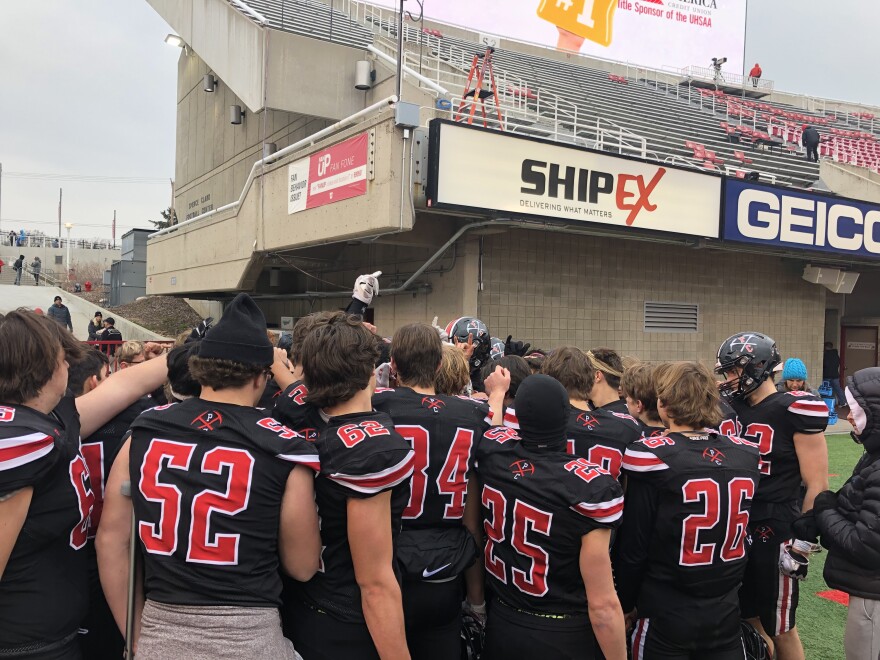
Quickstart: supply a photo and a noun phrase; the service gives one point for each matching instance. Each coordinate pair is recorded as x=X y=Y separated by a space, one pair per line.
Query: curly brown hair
x=301 y=328
x=338 y=358
x=417 y=352
x=571 y=367
x=221 y=374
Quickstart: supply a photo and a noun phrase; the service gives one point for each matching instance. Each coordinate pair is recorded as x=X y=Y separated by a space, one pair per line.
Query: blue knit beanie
x=794 y=369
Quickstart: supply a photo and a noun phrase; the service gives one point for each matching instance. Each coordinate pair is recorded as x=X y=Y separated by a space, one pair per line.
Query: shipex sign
x=479 y=170
x=807 y=221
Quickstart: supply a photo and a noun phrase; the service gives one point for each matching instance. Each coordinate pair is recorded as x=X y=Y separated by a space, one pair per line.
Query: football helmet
x=497 y=350
x=755 y=646
x=755 y=354
x=460 y=328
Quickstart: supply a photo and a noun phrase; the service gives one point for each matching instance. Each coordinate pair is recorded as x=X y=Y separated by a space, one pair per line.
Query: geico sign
x=633 y=192
x=767 y=216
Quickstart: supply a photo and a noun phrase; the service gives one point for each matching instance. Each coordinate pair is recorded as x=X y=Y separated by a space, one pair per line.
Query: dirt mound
x=165 y=315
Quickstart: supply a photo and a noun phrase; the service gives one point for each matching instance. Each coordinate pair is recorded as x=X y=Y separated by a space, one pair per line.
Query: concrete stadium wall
x=53 y=258
x=553 y=289
x=213 y=157
x=851 y=181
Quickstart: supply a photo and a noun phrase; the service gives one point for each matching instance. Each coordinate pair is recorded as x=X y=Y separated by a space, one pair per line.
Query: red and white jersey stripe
x=809 y=408
x=24 y=449
x=642 y=461
x=309 y=460
x=377 y=481
x=604 y=512
x=510 y=420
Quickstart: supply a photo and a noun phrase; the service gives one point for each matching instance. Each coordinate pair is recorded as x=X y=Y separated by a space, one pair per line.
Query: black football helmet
x=497 y=350
x=460 y=328
x=755 y=646
x=752 y=352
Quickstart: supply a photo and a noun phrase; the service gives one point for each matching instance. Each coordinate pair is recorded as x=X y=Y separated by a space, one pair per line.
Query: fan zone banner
x=492 y=173
x=332 y=175
x=656 y=33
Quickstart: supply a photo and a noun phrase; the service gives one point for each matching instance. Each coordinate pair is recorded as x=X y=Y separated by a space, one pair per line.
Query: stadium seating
x=549 y=92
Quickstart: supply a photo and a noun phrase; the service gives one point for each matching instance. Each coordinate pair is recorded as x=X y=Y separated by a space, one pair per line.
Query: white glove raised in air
x=365 y=287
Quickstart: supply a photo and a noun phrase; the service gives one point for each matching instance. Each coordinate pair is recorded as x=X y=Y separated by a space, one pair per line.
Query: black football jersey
x=772 y=424
x=652 y=431
x=618 y=406
x=207 y=482
x=292 y=409
x=601 y=436
x=443 y=432
x=44 y=589
x=537 y=506
x=728 y=425
x=361 y=456
x=687 y=512
x=100 y=449
x=269 y=395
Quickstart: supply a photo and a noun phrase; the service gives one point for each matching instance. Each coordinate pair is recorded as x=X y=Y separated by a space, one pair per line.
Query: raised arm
x=103 y=404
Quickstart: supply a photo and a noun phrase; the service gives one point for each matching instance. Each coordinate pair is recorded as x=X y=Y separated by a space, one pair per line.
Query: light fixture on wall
x=269 y=148
x=236 y=114
x=209 y=83
x=364 y=75
x=177 y=42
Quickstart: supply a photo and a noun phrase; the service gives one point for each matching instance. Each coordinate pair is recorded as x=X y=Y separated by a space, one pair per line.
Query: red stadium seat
x=741 y=157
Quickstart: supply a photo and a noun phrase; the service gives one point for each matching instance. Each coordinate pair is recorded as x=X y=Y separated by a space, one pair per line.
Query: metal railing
x=35 y=240
x=721 y=77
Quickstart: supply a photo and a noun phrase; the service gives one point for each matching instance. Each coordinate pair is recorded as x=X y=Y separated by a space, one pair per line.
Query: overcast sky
x=87 y=88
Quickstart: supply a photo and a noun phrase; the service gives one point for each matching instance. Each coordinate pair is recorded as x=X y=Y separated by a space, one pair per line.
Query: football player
x=601 y=435
x=472 y=335
x=352 y=608
x=45 y=491
x=548 y=518
x=442 y=518
x=608 y=367
x=637 y=386
x=85 y=375
x=219 y=490
x=681 y=552
x=788 y=428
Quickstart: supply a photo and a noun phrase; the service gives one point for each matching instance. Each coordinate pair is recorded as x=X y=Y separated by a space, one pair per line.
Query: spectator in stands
x=109 y=333
x=810 y=142
x=60 y=313
x=95 y=326
x=18 y=267
x=22 y=238
x=831 y=371
x=794 y=377
x=131 y=353
x=11 y=239
x=2 y=263
x=755 y=74
x=36 y=267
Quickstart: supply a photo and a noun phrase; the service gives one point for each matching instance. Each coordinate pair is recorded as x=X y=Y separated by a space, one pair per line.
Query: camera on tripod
x=718 y=61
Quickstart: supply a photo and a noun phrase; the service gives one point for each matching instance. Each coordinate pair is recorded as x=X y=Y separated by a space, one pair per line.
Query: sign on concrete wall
x=800 y=220
x=332 y=175
x=473 y=169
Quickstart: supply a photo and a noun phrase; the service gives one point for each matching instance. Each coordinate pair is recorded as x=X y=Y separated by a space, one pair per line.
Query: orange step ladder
x=479 y=87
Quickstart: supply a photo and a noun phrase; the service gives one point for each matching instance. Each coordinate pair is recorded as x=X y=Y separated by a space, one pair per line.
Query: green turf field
x=821 y=622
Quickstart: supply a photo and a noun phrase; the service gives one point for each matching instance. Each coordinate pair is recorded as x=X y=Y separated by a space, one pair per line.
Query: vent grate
x=671 y=317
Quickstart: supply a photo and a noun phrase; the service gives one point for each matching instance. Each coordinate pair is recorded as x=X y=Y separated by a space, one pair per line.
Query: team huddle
x=441 y=495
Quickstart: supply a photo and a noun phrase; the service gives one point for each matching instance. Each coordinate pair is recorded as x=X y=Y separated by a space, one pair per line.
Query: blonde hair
x=130 y=350
x=453 y=376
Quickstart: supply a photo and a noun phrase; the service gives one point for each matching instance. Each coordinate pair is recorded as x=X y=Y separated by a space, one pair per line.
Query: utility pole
x=60 y=192
x=400 y=51
x=114 y=228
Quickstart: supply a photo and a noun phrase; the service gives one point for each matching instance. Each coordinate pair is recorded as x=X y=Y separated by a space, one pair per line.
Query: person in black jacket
x=95 y=326
x=848 y=522
x=810 y=140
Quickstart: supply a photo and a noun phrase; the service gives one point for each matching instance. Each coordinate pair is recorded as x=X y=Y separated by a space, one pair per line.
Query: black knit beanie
x=240 y=335
x=542 y=410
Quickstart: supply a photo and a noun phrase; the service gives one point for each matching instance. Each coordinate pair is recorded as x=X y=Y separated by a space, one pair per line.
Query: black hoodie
x=851 y=530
